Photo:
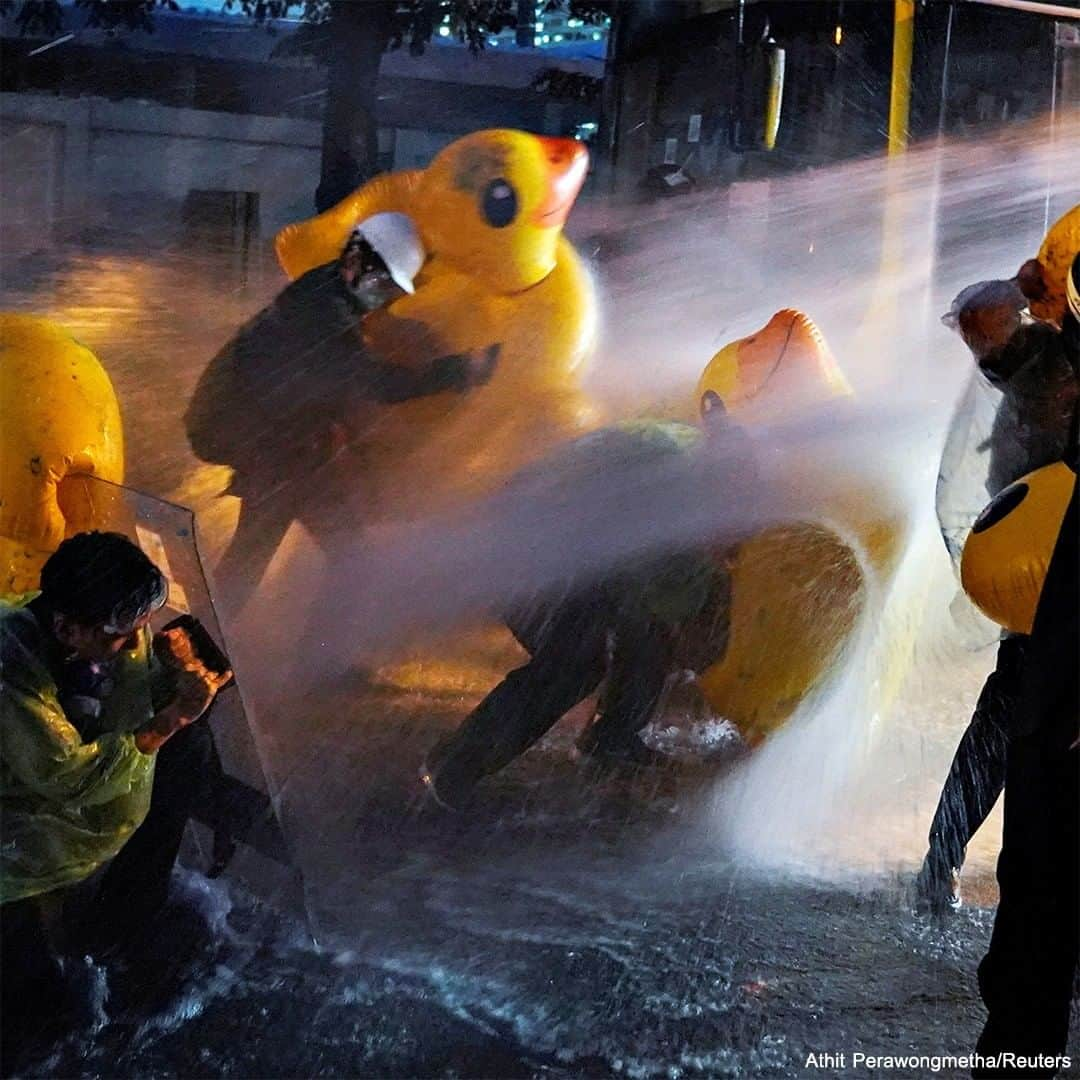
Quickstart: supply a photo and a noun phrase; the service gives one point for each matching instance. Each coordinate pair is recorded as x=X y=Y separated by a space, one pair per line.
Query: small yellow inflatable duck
x=60 y=419
x=1007 y=555
x=796 y=588
x=489 y=210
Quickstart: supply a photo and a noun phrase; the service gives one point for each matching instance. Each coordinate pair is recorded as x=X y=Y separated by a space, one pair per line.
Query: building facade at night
x=676 y=75
x=238 y=121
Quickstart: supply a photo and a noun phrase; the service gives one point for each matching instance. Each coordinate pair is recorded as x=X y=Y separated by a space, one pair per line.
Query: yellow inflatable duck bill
x=61 y=420
x=1006 y=558
x=784 y=365
x=493 y=203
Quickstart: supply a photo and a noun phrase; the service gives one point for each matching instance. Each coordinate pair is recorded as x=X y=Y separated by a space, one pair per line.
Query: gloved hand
x=464 y=371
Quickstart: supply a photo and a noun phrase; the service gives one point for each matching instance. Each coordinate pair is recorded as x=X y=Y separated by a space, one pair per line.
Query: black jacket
x=293 y=370
x=1036 y=373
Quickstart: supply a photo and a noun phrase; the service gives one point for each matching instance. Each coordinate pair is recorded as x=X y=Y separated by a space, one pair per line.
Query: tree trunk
x=350 y=147
x=525 y=33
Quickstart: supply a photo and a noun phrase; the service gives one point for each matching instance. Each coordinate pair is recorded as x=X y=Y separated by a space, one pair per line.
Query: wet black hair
x=102 y=579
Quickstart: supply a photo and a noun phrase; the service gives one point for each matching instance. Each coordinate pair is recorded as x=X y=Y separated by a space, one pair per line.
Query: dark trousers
x=324 y=496
x=34 y=992
x=568 y=645
x=37 y=999
x=1026 y=978
x=136 y=885
x=977 y=774
x=1028 y=974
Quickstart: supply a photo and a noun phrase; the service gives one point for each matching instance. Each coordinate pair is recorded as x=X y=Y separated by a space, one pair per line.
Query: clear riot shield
x=241 y=835
x=962 y=493
x=965 y=465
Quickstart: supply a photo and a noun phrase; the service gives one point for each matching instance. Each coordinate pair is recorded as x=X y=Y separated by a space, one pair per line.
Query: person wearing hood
x=283 y=399
x=1027 y=977
x=87 y=703
x=1034 y=365
x=630 y=627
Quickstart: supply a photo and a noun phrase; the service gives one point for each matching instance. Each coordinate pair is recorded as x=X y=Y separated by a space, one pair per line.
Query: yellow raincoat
x=66 y=806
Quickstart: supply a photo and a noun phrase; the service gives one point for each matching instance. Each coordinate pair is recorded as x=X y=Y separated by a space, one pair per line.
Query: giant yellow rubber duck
x=797 y=589
x=60 y=420
x=489 y=210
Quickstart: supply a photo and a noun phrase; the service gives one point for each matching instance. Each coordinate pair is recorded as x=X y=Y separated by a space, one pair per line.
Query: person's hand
x=195 y=692
x=175 y=650
x=482 y=367
x=195 y=689
x=986 y=315
x=467 y=370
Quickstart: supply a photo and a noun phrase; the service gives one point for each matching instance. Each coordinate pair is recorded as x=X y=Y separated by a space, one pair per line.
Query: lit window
x=838 y=37
x=444 y=31
x=558 y=37
x=539 y=26
x=545 y=39
x=536 y=40
x=596 y=37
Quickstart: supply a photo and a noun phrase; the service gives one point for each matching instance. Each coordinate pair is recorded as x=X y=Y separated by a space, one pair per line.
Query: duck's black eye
x=712 y=405
x=499 y=204
x=1003 y=504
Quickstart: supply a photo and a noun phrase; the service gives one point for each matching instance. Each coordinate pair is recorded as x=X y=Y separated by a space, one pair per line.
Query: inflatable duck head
x=1007 y=555
x=489 y=213
x=503 y=198
x=784 y=365
x=798 y=588
x=492 y=204
x=61 y=420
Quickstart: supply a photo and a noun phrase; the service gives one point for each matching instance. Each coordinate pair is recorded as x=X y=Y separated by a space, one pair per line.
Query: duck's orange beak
x=567 y=163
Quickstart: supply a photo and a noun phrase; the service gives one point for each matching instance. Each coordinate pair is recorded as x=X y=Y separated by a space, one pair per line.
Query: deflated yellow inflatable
x=490 y=210
x=797 y=589
x=1008 y=553
x=60 y=418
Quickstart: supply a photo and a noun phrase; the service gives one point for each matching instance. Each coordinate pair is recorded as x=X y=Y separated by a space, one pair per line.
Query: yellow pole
x=900 y=95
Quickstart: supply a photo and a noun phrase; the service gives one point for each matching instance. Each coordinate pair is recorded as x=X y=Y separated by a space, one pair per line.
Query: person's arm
x=44 y=753
x=394 y=383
